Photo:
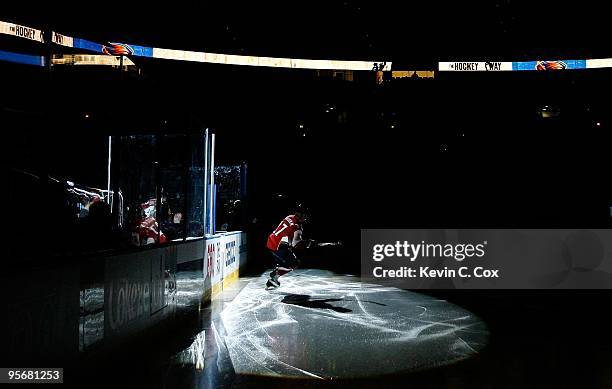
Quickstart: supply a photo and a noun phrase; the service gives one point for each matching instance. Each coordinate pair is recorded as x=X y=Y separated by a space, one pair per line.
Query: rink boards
x=69 y=307
x=225 y=254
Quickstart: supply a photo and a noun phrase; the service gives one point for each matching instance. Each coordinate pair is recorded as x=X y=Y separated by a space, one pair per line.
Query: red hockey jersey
x=284 y=232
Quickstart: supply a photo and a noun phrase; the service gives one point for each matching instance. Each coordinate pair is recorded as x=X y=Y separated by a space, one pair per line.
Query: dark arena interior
x=140 y=190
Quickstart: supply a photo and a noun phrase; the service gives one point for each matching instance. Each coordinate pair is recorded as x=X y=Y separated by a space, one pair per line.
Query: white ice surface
x=323 y=326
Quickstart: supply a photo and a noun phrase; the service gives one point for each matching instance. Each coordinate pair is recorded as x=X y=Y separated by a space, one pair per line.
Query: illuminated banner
x=87 y=45
x=549 y=65
x=474 y=66
x=25 y=59
x=245 y=60
x=115 y=48
x=90 y=59
x=599 y=63
x=62 y=40
x=519 y=66
x=413 y=74
x=123 y=49
x=21 y=31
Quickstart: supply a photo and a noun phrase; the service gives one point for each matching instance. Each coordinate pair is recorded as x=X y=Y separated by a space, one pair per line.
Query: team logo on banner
x=117 y=49
x=551 y=65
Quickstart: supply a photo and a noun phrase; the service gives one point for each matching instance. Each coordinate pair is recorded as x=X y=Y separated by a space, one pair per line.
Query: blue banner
x=113 y=48
x=79 y=43
x=550 y=65
x=26 y=59
x=142 y=51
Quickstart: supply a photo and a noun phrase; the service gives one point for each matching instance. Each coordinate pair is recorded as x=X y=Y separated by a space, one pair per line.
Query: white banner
x=62 y=40
x=599 y=63
x=474 y=66
x=194 y=56
x=246 y=60
x=21 y=31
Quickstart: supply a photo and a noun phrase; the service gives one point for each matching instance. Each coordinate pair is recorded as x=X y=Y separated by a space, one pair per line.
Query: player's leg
x=278 y=262
x=284 y=259
x=290 y=263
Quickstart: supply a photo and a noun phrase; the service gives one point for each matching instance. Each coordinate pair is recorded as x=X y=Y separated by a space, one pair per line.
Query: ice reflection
x=189 y=287
x=194 y=355
x=321 y=325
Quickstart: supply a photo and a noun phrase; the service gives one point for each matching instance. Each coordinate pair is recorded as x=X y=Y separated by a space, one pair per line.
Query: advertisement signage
x=492 y=66
x=21 y=31
x=474 y=66
x=224 y=254
x=549 y=65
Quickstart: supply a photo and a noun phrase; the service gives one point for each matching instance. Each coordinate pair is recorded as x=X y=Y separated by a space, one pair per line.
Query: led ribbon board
x=21 y=31
x=90 y=59
x=193 y=56
x=495 y=66
x=33 y=34
x=37 y=35
x=226 y=59
x=25 y=59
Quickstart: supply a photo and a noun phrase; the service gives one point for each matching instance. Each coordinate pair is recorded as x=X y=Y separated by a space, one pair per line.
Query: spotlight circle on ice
x=320 y=325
